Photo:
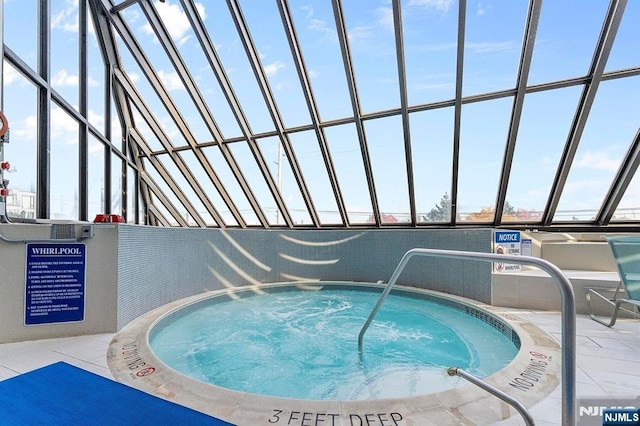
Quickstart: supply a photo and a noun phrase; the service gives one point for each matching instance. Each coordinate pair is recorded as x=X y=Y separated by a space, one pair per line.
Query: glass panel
x=629 y=207
x=231 y=185
x=612 y=124
x=160 y=213
x=185 y=187
x=63 y=194
x=131 y=195
x=625 y=52
x=168 y=192
x=538 y=150
x=373 y=50
x=95 y=80
x=224 y=36
x=209 y=189
x=21 y=30
x=430 y=32
x=141 y=211
x=116 y=127
x=564 y=49
x=483 y=134
x=145 y=131
x=317 y=36
x=176 y=22
x=245 y=159
x=116 y=184
x=183 y=36
x=149 y=96
x=95 y=178
x=162 y=65
x=347 y=160
x=314 y=171
x=432 y=152
x=20 y=108
x=158 y=206
x=65 y=74
x=283 y=175
x=493 y=39
x=386 y=148
x=268 y=35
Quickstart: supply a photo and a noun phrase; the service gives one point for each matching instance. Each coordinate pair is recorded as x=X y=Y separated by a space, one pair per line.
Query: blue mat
x=61 y=394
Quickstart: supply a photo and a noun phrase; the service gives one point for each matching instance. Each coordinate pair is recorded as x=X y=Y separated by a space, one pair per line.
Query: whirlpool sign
x=54 y=283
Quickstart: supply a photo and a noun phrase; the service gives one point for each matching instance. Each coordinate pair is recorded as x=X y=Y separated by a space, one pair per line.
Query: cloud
x=273 y=68
x=490 y=46
x=63 y=78
x=434 y=87
x=171 y=80
x=10 y=75
x=66 y=18
x=63 y=127
x=438 y=5
x=92 y=82
x=175 y=20
x=95 y=146
x=439 y=47
x=598 y=160
x=385 y=17
x=309 y=11
x=482 y=8
x=359 y=33
x=96 y=119
x=321 y=26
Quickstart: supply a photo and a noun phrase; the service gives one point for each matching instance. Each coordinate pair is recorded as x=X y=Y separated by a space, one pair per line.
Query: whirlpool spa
x=288 y=354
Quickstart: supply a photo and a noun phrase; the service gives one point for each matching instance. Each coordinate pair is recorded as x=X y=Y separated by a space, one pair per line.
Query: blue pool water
x=304 y=345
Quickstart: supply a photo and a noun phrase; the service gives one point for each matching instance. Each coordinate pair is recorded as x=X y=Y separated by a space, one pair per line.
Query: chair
x=626 y=252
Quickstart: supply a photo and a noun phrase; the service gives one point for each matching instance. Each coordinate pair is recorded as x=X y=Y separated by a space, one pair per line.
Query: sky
x=565 y=40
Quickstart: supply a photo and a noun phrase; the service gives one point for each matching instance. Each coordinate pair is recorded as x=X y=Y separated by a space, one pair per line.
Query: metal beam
x=404 y=108
x=83 y=136
x=225 y=85
x=196 y=96
x=44 y=115
x=457 y=114
x=153 y=187
x=528 y=43
x=620 y=184
x=265 y=88
x=126 y=3
x=108 y=48
x=164 y=139
x=601 y=54
x=298 y=60
x=355 y=105
x=169 y=181
x=172 y=109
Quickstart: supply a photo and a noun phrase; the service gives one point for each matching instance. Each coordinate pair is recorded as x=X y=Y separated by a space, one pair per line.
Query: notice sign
x=55 y=283
x=506 y=242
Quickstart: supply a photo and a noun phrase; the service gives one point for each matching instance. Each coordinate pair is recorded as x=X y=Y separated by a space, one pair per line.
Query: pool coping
x=532 y=375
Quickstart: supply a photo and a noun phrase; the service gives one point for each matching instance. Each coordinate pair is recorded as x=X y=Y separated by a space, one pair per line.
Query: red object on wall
x=4 y=192
x=108 y=218
x=5 y=165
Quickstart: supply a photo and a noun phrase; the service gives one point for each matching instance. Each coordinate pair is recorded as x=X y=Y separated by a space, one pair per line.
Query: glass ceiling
x=324 y=113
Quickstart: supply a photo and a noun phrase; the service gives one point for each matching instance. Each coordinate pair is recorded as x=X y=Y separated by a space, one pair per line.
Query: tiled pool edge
x=530 y=377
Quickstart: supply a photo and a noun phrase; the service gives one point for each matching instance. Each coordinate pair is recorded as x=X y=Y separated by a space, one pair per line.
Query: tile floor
x=608 y=359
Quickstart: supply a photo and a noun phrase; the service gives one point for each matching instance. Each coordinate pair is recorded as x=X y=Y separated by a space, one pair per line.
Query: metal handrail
x=568 y=311
x=526 y=416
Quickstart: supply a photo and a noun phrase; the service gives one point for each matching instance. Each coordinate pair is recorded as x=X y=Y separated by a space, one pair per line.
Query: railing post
x=568 y=311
